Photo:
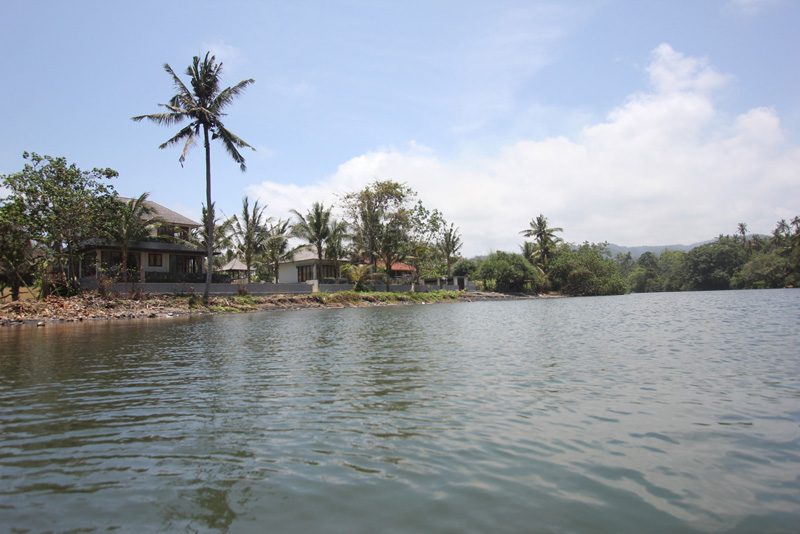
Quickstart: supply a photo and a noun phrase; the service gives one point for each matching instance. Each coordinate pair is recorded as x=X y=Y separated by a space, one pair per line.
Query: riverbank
x=91 y=306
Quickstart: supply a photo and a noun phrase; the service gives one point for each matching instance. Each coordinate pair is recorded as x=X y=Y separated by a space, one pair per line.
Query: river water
x=641 y=413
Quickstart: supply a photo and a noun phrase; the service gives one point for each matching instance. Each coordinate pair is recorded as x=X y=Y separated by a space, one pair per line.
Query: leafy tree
x=248 y=230
x=376 y=213
x=465 y=267
x=203 y=107
x=587 y=271
x=314 y=228
x=132 y=224
x=17 y=258
x=421 y=249
x=712 y=265
x=60 y=207
x=449 y=244
x=644 y=278
x=671 y=270
x=762 y=271
x=508 y=272
x=545 y=241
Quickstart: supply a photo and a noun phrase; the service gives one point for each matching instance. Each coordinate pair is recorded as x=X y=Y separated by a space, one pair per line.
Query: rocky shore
x=91 y=306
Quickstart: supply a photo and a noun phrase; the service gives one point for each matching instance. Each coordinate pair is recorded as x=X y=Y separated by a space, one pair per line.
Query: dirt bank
x=91 y=306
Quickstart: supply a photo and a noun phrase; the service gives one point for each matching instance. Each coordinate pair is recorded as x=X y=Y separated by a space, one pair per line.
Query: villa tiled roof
x=166 y=214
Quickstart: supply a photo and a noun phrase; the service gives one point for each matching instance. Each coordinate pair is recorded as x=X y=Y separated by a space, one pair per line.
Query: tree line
x=54 y=211
x=547 y=263
x=378 y=227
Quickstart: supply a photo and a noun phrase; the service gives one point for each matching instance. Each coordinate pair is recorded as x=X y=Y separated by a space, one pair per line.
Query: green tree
x=767 y=270
x=506 y=272
x=335 y=248
x=545 y=241
x=587 y=271
x=377 y=215
x=61 y=207
x=203 y=107
x=222 y=243
x=17 y=258
x=276 y=246
x=421 y=249
x=465 y=267
x=644 y=277
x=742 y=230
x=711 y=266
x=314 y=228
x=450 y=244
x=132 y=224
x=248 y=230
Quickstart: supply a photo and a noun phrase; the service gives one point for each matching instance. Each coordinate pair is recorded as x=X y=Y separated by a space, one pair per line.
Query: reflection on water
x=676 y=411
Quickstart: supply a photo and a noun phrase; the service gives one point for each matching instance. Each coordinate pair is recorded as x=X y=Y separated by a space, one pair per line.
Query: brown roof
x=166 y=214
x=398 y=267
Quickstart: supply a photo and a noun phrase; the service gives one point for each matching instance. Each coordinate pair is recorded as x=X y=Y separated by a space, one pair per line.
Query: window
x=328 y=271
x=155 y=260
x=305 y=272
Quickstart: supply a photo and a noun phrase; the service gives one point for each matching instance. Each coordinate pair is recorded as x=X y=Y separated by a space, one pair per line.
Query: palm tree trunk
x=209 y=218
x=319 y=263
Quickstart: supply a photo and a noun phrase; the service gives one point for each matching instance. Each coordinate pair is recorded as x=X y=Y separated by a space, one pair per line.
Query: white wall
x=287 y=273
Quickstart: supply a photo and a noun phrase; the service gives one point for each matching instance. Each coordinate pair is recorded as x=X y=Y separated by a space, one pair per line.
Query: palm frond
x=231 y=142
x=167 y=119
x=179 y=85
x=186 y=133
x=227 y=95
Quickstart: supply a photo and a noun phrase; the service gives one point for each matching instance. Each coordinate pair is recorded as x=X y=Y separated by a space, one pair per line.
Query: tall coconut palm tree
x=248 y=229
x=276 y=246
x=544 y=238
x=133 y=223
x=203 y=107
x=314 y=227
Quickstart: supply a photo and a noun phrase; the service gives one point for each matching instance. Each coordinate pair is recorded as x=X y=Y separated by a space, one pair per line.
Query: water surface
x=657 y=413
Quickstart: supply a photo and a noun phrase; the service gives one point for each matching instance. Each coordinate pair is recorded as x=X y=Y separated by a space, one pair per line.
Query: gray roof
x=166 y=214
x=304 y=253
x=234 y=265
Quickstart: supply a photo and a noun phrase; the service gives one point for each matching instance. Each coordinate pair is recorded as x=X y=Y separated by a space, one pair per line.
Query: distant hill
x=655 y=249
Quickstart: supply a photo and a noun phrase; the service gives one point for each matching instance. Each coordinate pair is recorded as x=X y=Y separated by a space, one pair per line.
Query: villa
x=166 y=256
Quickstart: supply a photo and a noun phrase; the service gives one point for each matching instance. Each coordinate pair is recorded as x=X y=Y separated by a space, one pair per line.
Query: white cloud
x=667 y=166
x=227 y=54
x=751 y=7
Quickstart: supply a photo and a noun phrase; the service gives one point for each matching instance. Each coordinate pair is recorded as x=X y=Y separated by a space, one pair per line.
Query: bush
x=587 y=271
x=507 y=272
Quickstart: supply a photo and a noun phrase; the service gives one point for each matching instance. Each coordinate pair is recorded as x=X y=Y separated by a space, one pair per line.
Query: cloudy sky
x=622 y=121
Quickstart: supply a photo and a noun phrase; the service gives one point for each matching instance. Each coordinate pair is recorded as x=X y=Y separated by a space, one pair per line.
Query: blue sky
x=632 y=122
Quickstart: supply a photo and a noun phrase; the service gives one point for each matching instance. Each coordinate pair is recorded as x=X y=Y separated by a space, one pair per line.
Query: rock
x=40 y=323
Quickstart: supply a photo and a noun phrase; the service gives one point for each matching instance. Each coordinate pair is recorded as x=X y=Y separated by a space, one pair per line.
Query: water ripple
x=677 y=411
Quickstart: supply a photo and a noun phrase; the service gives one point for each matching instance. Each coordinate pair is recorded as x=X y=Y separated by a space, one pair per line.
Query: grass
x=354 y=297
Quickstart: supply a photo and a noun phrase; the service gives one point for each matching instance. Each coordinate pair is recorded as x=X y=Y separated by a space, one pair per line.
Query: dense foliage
x=586 y=271
x=738 y=261
x=52 y=208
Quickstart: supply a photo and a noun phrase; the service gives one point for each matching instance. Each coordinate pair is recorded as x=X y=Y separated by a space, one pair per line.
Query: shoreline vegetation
x=90 y=306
